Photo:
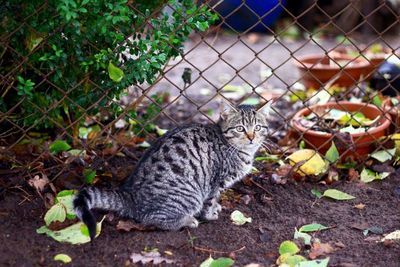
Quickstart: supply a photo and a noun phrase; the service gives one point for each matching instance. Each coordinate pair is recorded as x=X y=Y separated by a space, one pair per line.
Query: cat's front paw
x=191 y=222
x=211 y=215
x=217 y=207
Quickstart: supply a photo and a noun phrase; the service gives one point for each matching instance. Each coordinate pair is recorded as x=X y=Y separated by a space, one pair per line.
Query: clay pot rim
x=358 y=63
x=384 y=117
x=388 y=107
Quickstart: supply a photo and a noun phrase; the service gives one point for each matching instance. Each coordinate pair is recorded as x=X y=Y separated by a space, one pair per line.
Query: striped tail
x=95 y=198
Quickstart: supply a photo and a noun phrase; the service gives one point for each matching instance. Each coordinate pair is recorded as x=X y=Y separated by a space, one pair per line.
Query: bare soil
x=275 y=214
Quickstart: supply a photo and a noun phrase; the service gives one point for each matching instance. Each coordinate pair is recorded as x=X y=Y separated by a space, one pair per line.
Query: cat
x=180 y=177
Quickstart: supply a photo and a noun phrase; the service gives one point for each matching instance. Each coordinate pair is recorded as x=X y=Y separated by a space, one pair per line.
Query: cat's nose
x=250 y=136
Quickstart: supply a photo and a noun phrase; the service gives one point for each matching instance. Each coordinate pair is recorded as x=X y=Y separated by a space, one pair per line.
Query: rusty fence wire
x=330 y=68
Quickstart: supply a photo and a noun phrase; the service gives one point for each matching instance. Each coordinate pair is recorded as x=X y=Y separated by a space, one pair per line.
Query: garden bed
x=276 y=214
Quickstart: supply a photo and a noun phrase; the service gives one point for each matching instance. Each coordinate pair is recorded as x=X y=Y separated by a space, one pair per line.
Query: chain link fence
x=85 y=85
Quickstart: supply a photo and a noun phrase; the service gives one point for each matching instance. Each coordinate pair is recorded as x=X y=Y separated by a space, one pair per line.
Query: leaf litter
x=153 y=257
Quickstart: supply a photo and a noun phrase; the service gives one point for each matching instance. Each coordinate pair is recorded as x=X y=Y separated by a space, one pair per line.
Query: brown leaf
x=373 y=238
x=130 y=225
x=147 y=257
x=360 y=226
x=229 y=198
x=359 y=206
x=333 y=175
x=339 y=244
x=353 y=174
x=320 y=249
x=284 y=170
x=48 y=200
x=39 y=183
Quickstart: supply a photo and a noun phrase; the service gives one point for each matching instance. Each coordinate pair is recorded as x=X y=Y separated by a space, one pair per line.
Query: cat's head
x=245 y=127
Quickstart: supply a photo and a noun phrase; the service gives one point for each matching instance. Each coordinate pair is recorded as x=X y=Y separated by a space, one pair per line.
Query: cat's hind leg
x=211 y=209
x=171 y=222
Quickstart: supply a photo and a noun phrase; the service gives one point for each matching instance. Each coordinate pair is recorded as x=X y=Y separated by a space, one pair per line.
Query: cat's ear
x=226 y=110
x=266 y=109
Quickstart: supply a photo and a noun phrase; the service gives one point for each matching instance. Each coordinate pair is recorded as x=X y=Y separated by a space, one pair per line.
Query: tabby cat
x=181 y=176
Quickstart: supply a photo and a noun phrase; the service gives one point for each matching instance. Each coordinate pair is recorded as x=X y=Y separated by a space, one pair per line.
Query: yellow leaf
x=311 y=162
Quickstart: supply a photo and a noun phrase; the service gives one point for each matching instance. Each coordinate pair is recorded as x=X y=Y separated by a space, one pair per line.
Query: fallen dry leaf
x=284 y=170
x=353 y=174
x=359 y=206
x=39 y=183
x=339 y=244
x=147 y=257
x=373 y=238
x=320 y=249
x=169 y=253
x=333 y=175
x=360 y=226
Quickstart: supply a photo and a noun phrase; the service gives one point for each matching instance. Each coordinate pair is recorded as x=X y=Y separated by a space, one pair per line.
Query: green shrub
x=62 y=59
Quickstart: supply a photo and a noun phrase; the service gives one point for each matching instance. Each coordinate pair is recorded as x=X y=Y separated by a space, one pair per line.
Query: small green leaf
x=292 y=260
x=66 y=197
x=376 y=100
x=72 y=234
x=332 y=155
x=89 y=175
x=144 y=144
x=238 y=218
x=115 y=73
x=161 y=131
x=59 y=146
x=314 y=263
x=368 y=176
x=302 y=144
x=336 y=194
x=55 y=213
x=202 y=26
x=220 y=262
x=42 y=230
x=207 y=262
x=64 y=193
x=77 y=152
x=300 y=235
x=316 y=193
x=85 y=230
x=270 y=158
x=288 y=247
x=384 y=155
x=63 y=258
x=312 y=227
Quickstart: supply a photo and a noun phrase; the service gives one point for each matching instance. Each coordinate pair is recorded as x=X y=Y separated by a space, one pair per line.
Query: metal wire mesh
x=317 y=51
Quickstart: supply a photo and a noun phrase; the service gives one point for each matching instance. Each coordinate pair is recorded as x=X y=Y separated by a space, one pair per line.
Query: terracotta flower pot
x=362 y=141
x=394 y=112
x=317 y=70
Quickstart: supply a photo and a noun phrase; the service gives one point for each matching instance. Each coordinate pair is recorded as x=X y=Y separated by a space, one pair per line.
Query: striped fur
x=181 y=176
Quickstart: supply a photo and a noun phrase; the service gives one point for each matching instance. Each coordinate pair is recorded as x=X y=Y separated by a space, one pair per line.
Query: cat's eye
x=240 y=128
x=257 y=128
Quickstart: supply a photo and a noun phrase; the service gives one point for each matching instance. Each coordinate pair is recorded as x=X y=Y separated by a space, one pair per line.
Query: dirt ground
x=275 y=215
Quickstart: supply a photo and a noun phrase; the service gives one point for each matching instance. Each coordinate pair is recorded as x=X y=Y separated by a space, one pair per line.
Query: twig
x=260 y=186
x=209 y=250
